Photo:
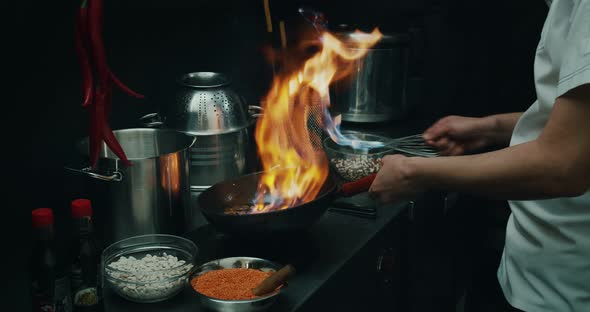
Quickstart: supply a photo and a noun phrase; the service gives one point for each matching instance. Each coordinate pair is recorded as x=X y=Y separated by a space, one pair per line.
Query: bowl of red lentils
x=226 y=284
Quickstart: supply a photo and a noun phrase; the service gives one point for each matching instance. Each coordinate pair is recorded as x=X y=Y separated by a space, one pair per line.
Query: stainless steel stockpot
x=208 y=108
x=376 y=91
x=149 y=197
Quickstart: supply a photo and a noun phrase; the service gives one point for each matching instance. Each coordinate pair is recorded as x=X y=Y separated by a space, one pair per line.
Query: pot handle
x=255 y=111
x=358 y=186
x=152 y=120
x=117 y=176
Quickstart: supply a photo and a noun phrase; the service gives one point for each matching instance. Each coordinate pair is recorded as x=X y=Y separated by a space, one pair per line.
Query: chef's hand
x=394 y=181
x=456 y=135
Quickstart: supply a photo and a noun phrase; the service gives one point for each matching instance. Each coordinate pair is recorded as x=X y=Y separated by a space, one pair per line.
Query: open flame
x=295 y=170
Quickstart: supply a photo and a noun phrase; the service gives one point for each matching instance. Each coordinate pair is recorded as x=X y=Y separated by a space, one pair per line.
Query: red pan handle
x=358 y=186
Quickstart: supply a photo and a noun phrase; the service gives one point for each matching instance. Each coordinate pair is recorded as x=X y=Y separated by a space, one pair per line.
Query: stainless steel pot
x=149 y=197
x=216 y=158
x=208 y=108
x=376 y=90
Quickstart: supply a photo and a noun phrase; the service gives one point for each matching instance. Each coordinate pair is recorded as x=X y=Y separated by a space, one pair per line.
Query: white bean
x=150 y=273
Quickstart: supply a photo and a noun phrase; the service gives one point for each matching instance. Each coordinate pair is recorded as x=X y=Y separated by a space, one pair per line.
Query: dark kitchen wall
x=495 y=43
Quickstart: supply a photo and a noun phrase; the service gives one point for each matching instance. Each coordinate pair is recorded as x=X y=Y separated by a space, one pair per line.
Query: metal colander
x=314 y=122
x=206 y=104
x=314 y=119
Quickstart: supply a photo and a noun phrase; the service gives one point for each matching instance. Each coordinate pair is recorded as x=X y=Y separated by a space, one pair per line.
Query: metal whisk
x=410 y=145
x=413 y=145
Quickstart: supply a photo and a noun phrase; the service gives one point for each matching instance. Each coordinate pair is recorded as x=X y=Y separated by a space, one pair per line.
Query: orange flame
x=282 y=134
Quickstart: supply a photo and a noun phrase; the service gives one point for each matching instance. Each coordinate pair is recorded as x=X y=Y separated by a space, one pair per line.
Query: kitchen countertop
x=317 y=254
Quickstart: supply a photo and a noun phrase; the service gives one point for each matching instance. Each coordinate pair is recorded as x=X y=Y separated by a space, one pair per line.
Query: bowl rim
x=380 y=138
x=107 y=260
x=194 y=273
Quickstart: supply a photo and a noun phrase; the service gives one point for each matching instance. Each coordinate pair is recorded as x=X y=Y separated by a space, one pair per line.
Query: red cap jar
x=81 y=207
x=42 y=217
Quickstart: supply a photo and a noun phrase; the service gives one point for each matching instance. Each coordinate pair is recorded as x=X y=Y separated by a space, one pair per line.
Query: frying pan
x=241 y=191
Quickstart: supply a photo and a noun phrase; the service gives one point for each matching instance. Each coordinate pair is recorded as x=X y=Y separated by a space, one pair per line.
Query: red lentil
x=229 y=284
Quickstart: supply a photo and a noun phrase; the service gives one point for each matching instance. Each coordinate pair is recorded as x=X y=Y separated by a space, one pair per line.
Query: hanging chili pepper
x=97 y=115
x=95 y=8
x=107 y=133
x=98 y=90
x=82 y=53
x=123 y=87
x=96 y=134
x=104 y=97
x=113 y=144
x=81 y=45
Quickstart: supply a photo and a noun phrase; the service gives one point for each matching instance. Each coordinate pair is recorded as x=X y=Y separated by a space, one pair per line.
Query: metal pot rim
x=85 y=152
x=206 y=80
x=251 y=123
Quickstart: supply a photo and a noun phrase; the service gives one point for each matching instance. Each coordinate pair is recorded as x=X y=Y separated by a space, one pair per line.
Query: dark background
x=472 y=58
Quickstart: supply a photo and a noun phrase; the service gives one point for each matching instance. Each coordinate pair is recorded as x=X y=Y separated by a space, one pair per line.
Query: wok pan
x=214 y=201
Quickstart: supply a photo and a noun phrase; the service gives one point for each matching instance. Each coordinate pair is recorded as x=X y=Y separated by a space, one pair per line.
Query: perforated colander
x=206 y=104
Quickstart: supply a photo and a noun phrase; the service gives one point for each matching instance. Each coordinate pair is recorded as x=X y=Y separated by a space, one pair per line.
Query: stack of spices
x=229 y=284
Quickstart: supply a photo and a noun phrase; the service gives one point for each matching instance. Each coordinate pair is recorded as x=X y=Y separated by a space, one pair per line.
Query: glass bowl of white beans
x=354 y=164
x=148 y=268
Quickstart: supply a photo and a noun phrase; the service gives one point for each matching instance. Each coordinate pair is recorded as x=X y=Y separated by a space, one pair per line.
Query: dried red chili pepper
x=107 y=133
x=113 y=144
x=97 y=115
x=95 y=8
x=82 y=53
x=104 y=94
x=123 y=87
x=89 y=22
x=95 y=137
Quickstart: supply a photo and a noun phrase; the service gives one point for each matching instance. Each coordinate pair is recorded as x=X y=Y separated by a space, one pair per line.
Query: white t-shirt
x=546 y=262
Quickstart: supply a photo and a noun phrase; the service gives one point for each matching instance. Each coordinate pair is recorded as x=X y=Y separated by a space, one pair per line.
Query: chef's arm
x=557 y=164
x=502 y=125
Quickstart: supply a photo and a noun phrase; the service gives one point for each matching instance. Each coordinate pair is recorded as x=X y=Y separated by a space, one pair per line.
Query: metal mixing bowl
x=250 y=305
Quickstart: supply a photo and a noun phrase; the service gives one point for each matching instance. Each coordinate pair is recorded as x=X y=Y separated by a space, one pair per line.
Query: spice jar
x=85 y=264
x=50 y=284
